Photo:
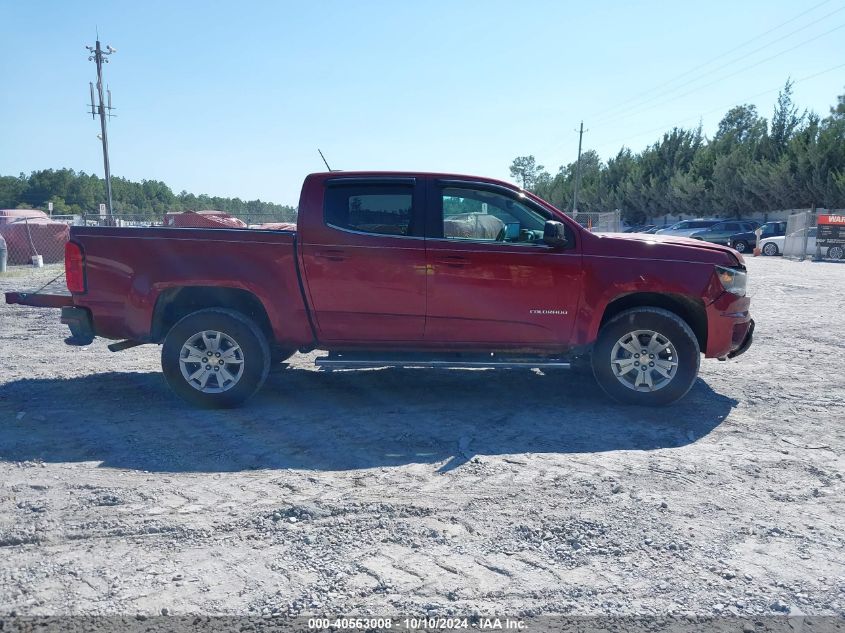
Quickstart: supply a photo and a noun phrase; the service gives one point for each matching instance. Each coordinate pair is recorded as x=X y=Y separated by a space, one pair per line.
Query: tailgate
x=39 y=300
x=53 y=294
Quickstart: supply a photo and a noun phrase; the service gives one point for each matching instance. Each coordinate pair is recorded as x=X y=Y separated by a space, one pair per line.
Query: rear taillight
x=74 y=267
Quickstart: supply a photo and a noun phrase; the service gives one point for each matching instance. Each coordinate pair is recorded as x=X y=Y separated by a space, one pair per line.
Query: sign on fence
x=102 y=210
x=831 y=230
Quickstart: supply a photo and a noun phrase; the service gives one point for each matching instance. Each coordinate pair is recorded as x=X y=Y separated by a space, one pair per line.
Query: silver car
x=685 y=228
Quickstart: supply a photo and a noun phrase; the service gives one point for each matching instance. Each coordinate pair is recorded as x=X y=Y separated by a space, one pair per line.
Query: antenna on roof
x=324 y=160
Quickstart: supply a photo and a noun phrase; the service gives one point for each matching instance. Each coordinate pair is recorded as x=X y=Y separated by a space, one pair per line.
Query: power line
x=731 y=105
x=725 y=54
x=728 y=76
x=710 y=72
x=619 y=116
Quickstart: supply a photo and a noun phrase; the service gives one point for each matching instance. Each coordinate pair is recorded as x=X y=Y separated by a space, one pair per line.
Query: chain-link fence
x=797 y=242
x=801 y=240
x=195 y=219
x=600 y=222
x=31 y=237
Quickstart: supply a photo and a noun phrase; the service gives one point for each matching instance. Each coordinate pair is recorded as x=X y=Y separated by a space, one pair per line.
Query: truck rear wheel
x=215 y=358
x=646 y=356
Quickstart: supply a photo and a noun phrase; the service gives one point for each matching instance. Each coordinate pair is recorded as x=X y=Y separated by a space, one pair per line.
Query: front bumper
x=746 y=341
x=728 y=326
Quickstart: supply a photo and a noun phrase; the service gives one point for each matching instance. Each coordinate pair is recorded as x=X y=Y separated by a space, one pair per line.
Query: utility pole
x=578 y=171
x=100 y=56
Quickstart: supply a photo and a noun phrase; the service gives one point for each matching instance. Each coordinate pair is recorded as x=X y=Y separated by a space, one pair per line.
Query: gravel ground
x=423 y=491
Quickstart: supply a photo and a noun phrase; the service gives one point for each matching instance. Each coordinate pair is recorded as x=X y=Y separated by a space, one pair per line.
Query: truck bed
x=129 y=270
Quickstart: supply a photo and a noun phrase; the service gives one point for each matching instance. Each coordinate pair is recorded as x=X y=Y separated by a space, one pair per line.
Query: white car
x=685 y=228
x=774 y=245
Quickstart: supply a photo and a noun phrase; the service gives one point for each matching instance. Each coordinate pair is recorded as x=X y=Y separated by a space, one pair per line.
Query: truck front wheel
x=646 y=356
x=215 y=358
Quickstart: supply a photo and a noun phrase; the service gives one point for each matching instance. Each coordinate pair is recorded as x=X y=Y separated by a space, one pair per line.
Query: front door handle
x=334 y=255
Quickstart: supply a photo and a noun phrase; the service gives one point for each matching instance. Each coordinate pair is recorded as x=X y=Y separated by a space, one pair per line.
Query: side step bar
x=352 y=363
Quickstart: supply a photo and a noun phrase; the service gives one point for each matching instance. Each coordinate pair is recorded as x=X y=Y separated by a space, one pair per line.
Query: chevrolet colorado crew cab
x=414 y=270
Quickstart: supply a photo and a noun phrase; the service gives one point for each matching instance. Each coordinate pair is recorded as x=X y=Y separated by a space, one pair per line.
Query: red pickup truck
x=408 y=269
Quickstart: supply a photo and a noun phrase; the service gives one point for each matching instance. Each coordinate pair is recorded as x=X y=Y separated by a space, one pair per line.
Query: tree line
x=795 y=160
x=76 y=193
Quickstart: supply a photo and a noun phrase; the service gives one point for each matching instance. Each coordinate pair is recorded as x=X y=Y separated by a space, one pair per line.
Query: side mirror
x=554 y=234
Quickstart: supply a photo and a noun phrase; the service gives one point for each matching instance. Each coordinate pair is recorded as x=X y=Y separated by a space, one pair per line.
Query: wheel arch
x=690 y=309
x=175 y=303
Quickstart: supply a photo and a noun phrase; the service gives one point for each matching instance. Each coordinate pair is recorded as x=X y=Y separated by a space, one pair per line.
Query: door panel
x=481 y=293
x=362 y=293
x=491 y=280
x=364 y=266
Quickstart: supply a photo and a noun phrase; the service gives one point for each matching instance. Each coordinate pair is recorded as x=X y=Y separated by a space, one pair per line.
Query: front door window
x=483 y=216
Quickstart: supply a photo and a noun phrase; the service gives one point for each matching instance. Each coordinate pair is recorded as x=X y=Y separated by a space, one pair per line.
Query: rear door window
x=382 y=209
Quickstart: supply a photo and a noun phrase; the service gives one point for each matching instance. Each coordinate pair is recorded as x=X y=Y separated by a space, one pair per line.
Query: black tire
x=770 y=249
x=740 y=246
x=835 y=252
x=667 y=325
x=254 y=350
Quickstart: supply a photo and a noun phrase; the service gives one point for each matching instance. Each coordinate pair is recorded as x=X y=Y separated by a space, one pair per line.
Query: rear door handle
x=453 y=261
x=331 y=255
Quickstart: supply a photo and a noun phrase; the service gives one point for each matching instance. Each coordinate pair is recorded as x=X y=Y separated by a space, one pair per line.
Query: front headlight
x=732 y=280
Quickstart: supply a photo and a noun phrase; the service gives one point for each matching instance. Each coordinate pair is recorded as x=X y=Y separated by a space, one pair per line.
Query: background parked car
x=774 y=245
x=721 y=232
x=685 y=228
x=642 y=228
x=744 y=242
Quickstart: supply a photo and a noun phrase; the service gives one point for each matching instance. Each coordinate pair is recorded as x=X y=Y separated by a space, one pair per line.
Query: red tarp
x=28 y=232
x=277 y=226
x=208 y=219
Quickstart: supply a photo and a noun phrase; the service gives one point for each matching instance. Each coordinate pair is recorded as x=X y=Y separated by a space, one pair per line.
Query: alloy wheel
x=211 y=361
x=644 y=360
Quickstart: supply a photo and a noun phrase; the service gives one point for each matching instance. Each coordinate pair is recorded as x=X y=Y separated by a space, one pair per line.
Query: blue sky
x=233 y=99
